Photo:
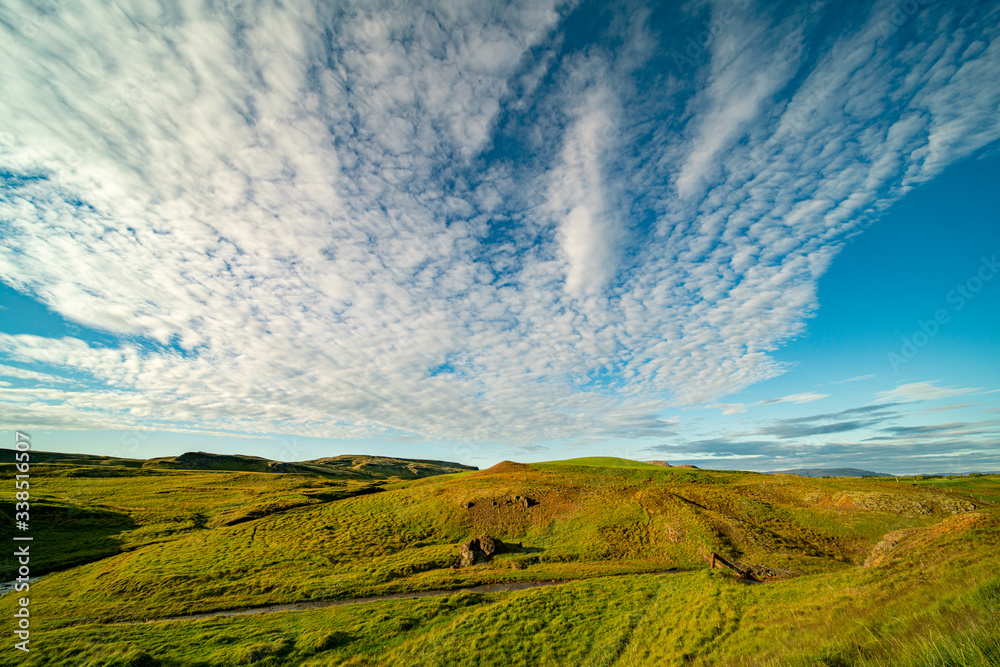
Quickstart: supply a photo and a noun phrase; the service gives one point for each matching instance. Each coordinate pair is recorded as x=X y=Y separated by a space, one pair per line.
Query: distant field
x=142 y=544
x=980 y=487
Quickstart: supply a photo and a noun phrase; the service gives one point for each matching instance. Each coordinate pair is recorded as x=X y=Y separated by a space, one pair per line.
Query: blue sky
x=731 y=234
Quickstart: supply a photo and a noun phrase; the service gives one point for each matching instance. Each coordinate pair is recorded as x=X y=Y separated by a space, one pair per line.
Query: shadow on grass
x=63 y=535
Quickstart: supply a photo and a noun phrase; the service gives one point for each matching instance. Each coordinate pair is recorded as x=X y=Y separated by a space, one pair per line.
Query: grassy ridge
x=348 y=466
x=601 y=462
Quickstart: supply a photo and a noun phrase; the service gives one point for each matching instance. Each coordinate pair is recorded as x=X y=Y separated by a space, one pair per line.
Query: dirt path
x=318 y=604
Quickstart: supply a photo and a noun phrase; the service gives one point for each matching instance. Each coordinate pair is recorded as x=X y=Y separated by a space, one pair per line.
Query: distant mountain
x=360 y=467
x=830 y=472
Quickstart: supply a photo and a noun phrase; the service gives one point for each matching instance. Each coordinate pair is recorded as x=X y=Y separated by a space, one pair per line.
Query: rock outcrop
x=522 y=501
x=482 y=549
x=500 y=502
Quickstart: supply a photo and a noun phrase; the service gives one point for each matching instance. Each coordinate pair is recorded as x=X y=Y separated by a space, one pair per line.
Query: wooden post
x=743 y=573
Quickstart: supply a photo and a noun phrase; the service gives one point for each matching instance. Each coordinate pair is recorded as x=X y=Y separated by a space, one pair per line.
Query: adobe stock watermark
x=696 y=45
x=959 y=297
x=22 y=508
x=899 y=15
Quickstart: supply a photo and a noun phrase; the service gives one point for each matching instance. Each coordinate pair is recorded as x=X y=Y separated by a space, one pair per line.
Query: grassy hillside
x=350 y=466
x=603 y=462
x=86 y=507
x=341 y=467
x=865 y=616
x=7 y=456
x=202 y=541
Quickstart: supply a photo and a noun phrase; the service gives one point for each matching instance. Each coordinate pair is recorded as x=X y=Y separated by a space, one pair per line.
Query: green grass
x=179 y=542
x=602 y=462
x=85 y=508
x=976 y=488
x=77 y=518
x=865 y=616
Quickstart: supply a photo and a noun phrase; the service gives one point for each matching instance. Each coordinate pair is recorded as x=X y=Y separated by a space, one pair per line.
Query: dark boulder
x=482 y=549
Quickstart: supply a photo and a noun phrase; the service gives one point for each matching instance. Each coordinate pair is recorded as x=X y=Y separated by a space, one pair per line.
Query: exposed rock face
x=523 y=501
x=482 y=549
x=489 y=545
x=501 y=501
x=660 y=463
x=506 y=514
x=914 y=505
x=885 y=546
x=892 y=543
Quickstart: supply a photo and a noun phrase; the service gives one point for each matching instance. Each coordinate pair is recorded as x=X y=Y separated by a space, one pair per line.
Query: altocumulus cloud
x=466 y=221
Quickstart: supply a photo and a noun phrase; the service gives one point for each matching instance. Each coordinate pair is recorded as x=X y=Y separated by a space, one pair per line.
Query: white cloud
x=23 y=374
x=588 y=234
x=922 y=391
x=807 y=397
x=739 y=408
x=730 y=408
x=744 y=77
x=856 y=378
x=439 y=220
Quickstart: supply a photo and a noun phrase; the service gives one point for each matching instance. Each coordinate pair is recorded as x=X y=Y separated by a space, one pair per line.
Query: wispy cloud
x=923 y=391
x=729 y=408
x=24 y=374
x=857 y=378
x=739 y=408
x=458 y=221
x=589 y=236
x=886 y=437
x=807 y=397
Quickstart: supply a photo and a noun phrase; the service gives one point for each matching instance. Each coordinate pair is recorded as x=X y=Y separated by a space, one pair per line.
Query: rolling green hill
x=603 y=462
x=7 y=456
x=346 y=467
x=359 y=467
x=634 y=539
x=89 y=507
